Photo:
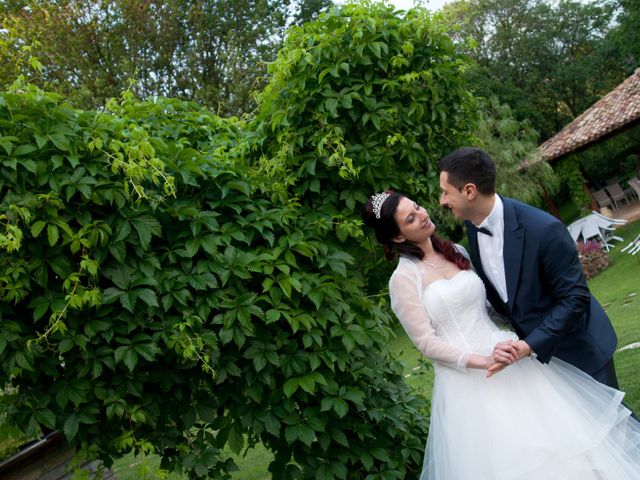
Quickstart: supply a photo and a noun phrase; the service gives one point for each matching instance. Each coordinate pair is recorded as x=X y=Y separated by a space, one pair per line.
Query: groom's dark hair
x=470 y=165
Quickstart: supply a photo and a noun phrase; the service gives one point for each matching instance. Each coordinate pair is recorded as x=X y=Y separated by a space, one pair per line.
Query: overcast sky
x=432 y=5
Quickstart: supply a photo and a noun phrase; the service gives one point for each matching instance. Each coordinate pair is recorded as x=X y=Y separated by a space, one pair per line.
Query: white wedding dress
x=531 y=421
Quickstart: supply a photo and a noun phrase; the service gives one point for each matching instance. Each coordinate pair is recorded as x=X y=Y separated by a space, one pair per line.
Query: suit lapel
x=512 y=249
x=472 y=236
x=474 y=252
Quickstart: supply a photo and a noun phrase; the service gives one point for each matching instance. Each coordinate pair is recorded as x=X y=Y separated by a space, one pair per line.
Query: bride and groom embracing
x=538 y=401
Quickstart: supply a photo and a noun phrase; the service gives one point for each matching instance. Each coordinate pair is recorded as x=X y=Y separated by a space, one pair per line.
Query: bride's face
x=413 y=221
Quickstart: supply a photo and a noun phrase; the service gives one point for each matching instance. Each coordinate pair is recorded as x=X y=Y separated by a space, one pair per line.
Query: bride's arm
x=406 y=304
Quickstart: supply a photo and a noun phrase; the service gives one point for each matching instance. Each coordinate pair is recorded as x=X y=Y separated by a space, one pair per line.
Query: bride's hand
x=505 y=352
x=495 y=368
x=496 y=362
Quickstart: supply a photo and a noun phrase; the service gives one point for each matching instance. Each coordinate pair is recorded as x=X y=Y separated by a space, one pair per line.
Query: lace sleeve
x=406 y=304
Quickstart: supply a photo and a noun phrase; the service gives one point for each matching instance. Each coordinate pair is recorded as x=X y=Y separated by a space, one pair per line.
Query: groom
x=529 y=265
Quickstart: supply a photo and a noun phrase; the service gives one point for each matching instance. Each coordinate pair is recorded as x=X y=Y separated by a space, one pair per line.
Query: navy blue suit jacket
x=549 y=304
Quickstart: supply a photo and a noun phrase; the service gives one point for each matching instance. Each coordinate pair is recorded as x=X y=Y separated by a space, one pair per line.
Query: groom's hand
x=506 y=352
x=523 y=349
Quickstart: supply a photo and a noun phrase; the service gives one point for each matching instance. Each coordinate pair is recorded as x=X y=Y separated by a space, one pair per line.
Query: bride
x=491 y=420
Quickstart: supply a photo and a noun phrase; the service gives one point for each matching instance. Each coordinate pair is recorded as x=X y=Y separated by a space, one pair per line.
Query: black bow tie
x=484 y=230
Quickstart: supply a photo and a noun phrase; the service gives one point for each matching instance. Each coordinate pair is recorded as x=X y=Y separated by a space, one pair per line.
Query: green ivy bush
x=181 y=311
x=174 y=282
x=363 y=100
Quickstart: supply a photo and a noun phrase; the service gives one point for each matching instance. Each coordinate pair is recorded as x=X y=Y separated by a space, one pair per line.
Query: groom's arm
x=561 y=272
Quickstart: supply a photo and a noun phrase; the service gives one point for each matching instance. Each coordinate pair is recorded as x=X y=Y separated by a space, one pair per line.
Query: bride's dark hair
x=386 y=229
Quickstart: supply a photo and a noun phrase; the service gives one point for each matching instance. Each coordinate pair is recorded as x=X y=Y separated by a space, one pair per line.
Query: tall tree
x=624 y=39
x=510 y=142
x=544 y=60
x=212 y=51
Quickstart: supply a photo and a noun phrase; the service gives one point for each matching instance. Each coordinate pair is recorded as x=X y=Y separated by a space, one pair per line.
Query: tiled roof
x=612 y=112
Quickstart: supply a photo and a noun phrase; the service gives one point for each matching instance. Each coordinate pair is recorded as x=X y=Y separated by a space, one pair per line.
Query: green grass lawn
x=251 y=466
x=568 y=212
x=10 y=440
x=617 y=288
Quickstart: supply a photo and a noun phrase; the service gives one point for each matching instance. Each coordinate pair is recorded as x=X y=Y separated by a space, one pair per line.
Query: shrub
x=175 y=282
x=589 y=246
x=181 y=323
x=592 y=257
x=363 y=100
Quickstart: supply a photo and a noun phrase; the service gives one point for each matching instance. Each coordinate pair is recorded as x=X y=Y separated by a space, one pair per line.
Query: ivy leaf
x=40 y=306
x=148 y=296
x=61 y=265
x=118 y=251
x=381 y=454
x=147 y=350
x=300 y=432
x=306 y=434
x=71 y=426
x=206 y=413
x=41 y=140
x=146 y=226
x=46 y=417
x=25 y=149
x=6 y=144
x=123 y=231
x=77 y=392
x=130 y=358
x=209 y=243
x=340 y=407
x=94 y=325
x=326 y=404
x=235 y=439
x=340 y=437
x=355 y=396
x=23 y=361
x=121 y=353
x=60 y=141
x=341 y=471
x=128 y=300
x=331 y=105
x=29 y=165
x=192 y=246
x=272 y=424
x=259 y=362
x=272 y=316
x=65 y=345
x=316 y=296
x=62 y=397
x=241 y=186
x=53 y=234
x=367 y=460
x=37 y=227
x=307 y=383
x=285 y=285
x=290 y=386
x=96 y=370
x=110 y=295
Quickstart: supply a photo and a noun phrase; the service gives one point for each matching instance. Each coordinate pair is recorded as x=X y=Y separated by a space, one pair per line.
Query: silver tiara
x=377 y=200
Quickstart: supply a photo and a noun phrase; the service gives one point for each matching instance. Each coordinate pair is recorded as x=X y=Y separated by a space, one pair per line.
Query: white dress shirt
x=491 y=248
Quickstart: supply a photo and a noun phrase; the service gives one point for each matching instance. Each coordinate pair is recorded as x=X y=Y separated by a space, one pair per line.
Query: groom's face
x=454 y=199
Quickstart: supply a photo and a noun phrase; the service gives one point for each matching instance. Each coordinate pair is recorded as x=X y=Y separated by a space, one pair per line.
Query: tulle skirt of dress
x=531 y=421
